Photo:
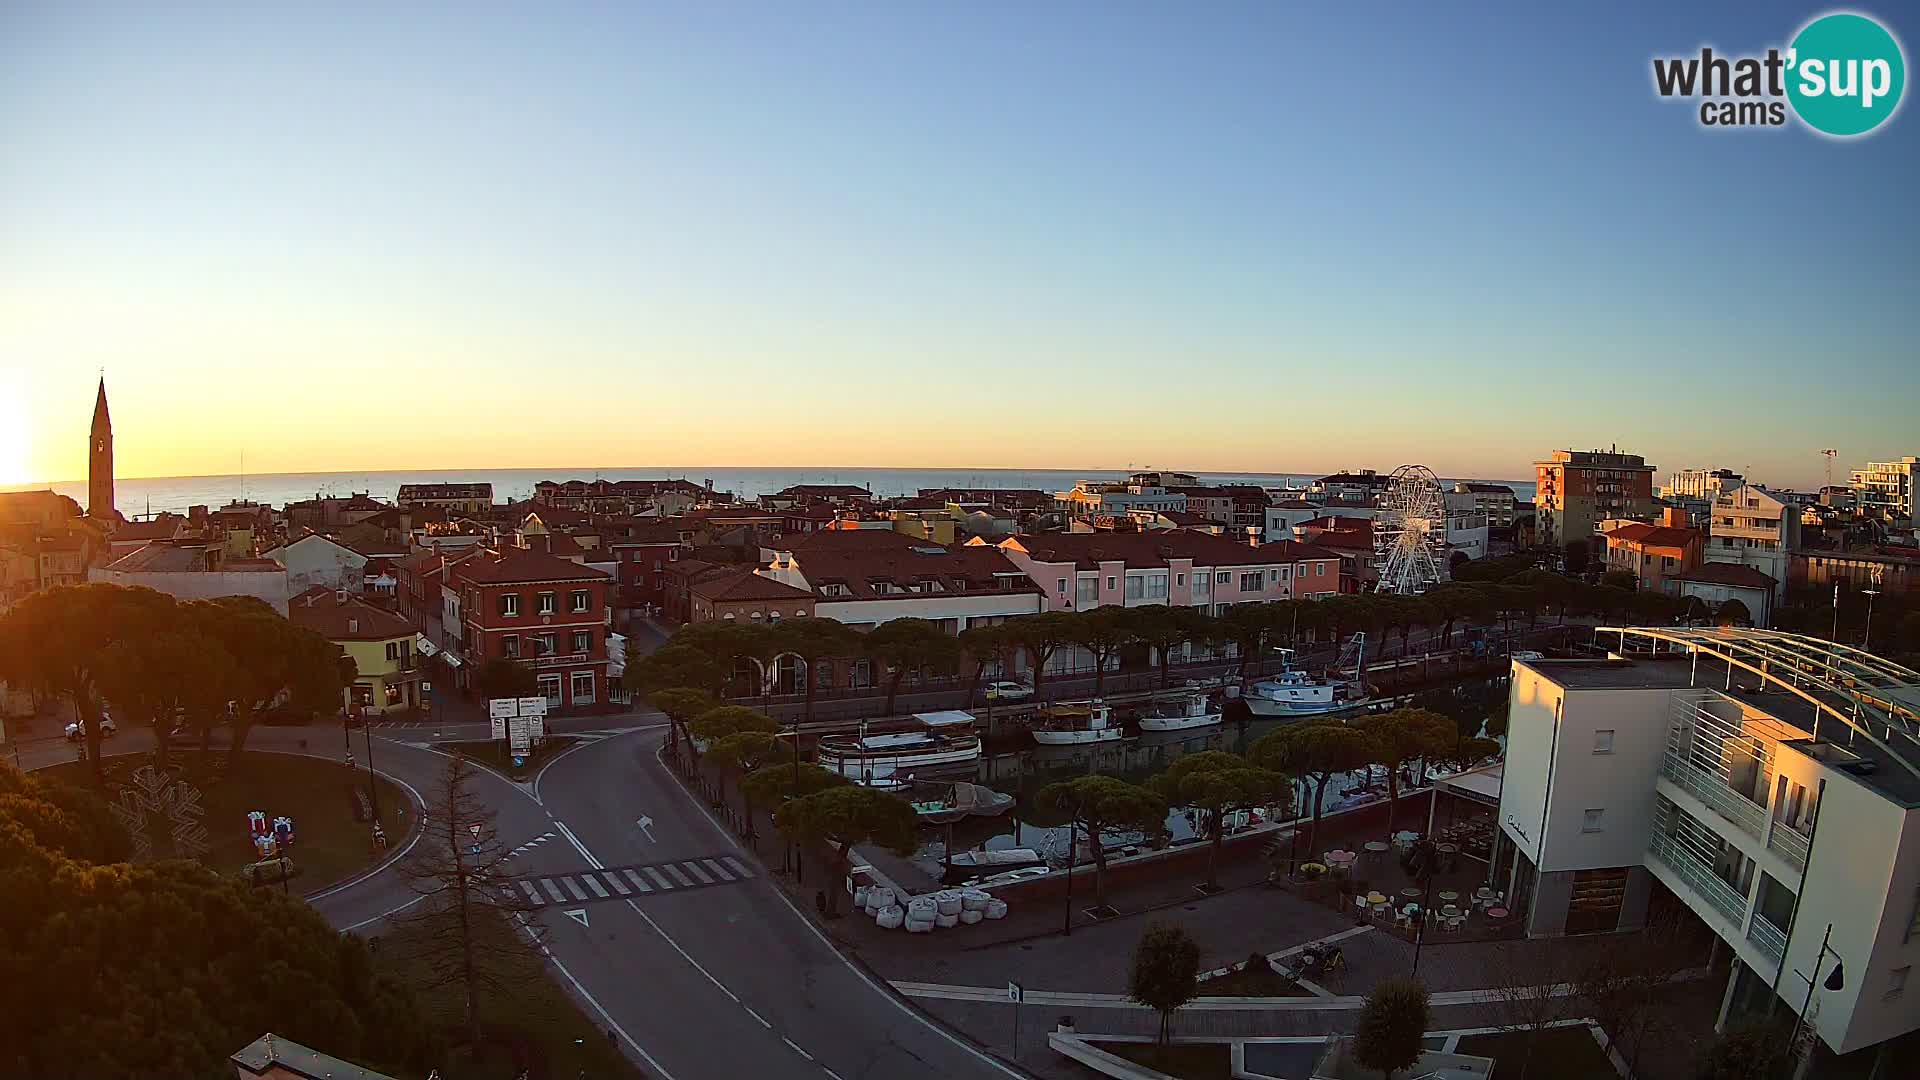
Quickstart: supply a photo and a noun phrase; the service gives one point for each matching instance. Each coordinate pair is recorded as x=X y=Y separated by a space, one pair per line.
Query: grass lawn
x=317 y=794
x=536 y=1028
x=1188 y=1061
x=1565 y=1053
x=1255 y=983
x=493 y=754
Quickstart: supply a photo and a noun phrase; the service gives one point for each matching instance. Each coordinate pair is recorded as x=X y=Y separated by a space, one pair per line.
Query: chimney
x=340 y=596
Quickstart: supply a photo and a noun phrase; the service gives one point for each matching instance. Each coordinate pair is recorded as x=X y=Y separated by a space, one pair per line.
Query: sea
x=137 y=497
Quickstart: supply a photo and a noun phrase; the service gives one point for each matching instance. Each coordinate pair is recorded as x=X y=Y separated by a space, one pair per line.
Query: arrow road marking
x=646 y=826
x=578 y=915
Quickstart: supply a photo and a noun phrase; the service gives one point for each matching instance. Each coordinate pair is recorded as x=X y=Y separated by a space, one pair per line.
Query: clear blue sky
x=1220 y=237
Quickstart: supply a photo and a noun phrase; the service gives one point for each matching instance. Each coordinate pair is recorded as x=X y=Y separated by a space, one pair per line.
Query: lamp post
x=1835 y=980
x=1866 y=640
x=373 y=789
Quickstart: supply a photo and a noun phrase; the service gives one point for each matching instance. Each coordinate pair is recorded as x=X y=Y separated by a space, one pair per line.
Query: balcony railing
x=1723 y=897
x=1790 y=844
x=1768 y=938
x=1713 y=791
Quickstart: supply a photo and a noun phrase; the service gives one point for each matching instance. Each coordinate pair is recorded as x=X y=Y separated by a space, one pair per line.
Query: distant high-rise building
x=1578 y=489
x=1885 y=488
x=1701 y=483
x=100 y=460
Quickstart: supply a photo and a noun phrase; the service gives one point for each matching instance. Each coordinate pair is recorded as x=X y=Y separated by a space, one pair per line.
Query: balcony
x=1790 y=844
x=1768 y=938
x=1713 y=791
x=1676 y=859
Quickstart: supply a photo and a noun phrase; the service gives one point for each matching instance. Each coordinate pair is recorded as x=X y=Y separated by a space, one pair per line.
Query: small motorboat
x=1073 y=723
x=1181 y=713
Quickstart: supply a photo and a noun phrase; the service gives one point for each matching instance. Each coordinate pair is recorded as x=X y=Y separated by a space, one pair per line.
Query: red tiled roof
x=321 y=610
x=1745 y=577
x=514 y=565
x=959 y=570
x=849 y=540
x=160 y=528
x=1648 y=536
x=1087 y=550
x=747 y=585
x=553 y=544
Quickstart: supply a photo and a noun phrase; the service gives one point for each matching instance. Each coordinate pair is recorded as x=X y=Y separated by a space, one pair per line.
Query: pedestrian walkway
x=622 y=882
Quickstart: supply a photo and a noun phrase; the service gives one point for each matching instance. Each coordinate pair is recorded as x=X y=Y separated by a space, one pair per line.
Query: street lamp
x=1835 y=980
x=1867 y=640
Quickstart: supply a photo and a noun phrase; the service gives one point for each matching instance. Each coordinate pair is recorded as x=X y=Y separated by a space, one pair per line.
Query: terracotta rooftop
x=514 y=565
x=747 y=585
x=1745 y=577
x=553 y=544
x=162 y=527
x=1651 y=536
x=862 y=570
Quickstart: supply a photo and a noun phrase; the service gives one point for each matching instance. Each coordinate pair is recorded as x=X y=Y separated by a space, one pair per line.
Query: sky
x=1227 y=237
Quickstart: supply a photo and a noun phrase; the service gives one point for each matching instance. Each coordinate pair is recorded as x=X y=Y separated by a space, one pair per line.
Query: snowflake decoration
x=152 y=792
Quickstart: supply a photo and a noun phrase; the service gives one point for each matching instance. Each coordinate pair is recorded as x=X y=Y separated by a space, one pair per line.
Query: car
x=107 y=727
x=1008 y=691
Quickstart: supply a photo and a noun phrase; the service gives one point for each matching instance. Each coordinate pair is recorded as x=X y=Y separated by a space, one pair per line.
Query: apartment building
x=1885 y=488
x=1756 y=528
x=1700 y=483
x=1493 y=501
x=865 y=577
x=1363 y=488
x=1575 y=490
x=1768 y=781
x=475 y=498
x=1101 y=498
x=1653 y=554
x=1180 y=568
x=387 y=670
x=541 y=610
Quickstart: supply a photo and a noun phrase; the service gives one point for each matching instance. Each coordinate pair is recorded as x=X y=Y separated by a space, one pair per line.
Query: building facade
x=1494 y=501
x=475 y=498
x=380 y=643
x=1757 y=528
x=548 y=613
x=1885 y=488
x=1575 y=490
x=1653 y=554
x=1179 y=568
x=1789 y=825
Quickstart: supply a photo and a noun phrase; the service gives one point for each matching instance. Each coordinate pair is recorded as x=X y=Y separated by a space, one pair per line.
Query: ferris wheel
x=1410 y=532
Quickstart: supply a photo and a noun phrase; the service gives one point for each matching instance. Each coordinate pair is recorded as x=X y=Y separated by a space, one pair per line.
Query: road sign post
x=1016 y=994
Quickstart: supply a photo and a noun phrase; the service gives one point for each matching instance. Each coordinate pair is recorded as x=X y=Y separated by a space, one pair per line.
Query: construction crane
x=1829 y=454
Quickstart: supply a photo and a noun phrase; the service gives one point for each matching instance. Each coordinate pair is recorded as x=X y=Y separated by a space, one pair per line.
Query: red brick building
x=549 y=613
x=641 y=559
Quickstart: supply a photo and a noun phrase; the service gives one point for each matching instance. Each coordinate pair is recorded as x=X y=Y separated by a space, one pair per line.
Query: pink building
x=1177 y=567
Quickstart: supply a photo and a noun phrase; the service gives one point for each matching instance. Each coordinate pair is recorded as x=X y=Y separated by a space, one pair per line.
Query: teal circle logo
x=1845 y=74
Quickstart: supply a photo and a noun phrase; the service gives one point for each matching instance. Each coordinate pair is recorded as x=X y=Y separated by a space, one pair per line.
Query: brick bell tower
x=100 y=461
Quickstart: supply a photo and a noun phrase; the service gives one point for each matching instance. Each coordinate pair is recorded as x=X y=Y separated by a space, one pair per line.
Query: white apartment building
x=1757 y=528
x=1100 y=498
x=1886 y=487
x=1770 y=782
x=1700 y=483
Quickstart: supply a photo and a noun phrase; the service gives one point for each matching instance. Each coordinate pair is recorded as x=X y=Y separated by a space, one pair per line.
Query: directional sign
x=646 y=826
x=578 y=915
x=503 y=707
x=1015 y=992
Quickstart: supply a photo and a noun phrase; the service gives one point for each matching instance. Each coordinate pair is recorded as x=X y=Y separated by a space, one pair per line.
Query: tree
x=1620 y=579
x=1532 y=992
x=813 y=640
x=1316 y=751
x=842 y=817
x=1041 y=636
x=503 y=678
x=1166 y=972
x=901 y=646
x=1094 y=804
x=167 y=676
x=681 y=704
x=459 y=871
x=1247 y=626
x=672 y=666
x=724 y=720
x=1754 y=1052
x=1697 y=611
x=1578 y=553
x=1218 y=784
x=1624 y=982
x=774 y=782
x=275 y=661
x=1401 y=736
x=1733 y=613
x=52 y=642
x=743 y=752
x=1166 y=628
x=1392 y=1026
x=166 y=968
x=982 y=646
x=1102 y=632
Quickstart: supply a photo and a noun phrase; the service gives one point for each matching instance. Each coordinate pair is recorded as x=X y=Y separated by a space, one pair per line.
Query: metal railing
x=1768 y=938
x=1713 y=791
x=1723 y=897
x=1790 y=844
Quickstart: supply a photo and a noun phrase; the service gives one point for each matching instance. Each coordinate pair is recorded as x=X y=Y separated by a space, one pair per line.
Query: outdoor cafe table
x=1341 y=859
x=1411 y=893
x=1375 y=899
x=1376 y=847
x=1448 y=896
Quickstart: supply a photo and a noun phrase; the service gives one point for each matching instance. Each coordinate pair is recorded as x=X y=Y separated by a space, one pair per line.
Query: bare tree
x=1623 y=984
x=1533 y=990
x=467 y=895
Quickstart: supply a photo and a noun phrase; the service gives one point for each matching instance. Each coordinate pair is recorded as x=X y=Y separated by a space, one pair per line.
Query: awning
x=1480 y=785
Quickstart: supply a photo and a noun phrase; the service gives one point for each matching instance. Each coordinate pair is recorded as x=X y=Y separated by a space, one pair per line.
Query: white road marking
x=646 y=826
x=757 y=1016
x=718 y=870
x=734 y=865
x=383 y=915
x=572 y=888
x=547 y=884
x=830 y=1072
x=658 y=878
x=593 y=883
x=533 y=894
x=637 y=883
x=678 y=875
x=694 y=869
x=796 y=1048
x=578 y=915
x=618 y=885
x=651 y=1061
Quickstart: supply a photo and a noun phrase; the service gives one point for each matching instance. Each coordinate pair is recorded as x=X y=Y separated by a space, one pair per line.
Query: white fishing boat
x=942 y=742
x=1074 y=723
x=1293 y=692
x=1181 y=713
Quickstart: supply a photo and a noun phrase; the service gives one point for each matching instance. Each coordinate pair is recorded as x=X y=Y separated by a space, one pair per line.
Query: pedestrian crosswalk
x=627 y=882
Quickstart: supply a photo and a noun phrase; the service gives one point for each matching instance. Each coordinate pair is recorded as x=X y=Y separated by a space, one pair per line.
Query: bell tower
x=100 y=460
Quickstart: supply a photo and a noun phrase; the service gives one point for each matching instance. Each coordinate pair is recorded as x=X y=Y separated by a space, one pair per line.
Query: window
x=1250 y=582
x=543 y=645
x=1109 y=584
x=1060 y=586
x=1319 y=569
x=509 y=604
x=583 y=688
x=362 y=693
x=550 y=689
x=1603 y=741
x=393 y=693
x=1157 y=586
x=1179 y=579
x=393 y=650
x=1136 y=586
x=1087 y=590
x=1202 y=583
x=546 y=603
x=1223 y=577
x=582 y=640
x=1590 y=821
x=510 y=646
x=582 y=601
x=1896 y=982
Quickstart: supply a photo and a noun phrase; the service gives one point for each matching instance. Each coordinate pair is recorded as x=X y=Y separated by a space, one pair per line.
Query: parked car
x=76 y=732
x=1008 y=691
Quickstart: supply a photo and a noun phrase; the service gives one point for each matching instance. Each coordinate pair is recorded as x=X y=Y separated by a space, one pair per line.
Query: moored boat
x=1073 y=723
x=1181 y=713
x=942 y=743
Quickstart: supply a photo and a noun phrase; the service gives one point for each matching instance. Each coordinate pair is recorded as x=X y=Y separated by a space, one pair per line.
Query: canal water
x=1139 y=756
